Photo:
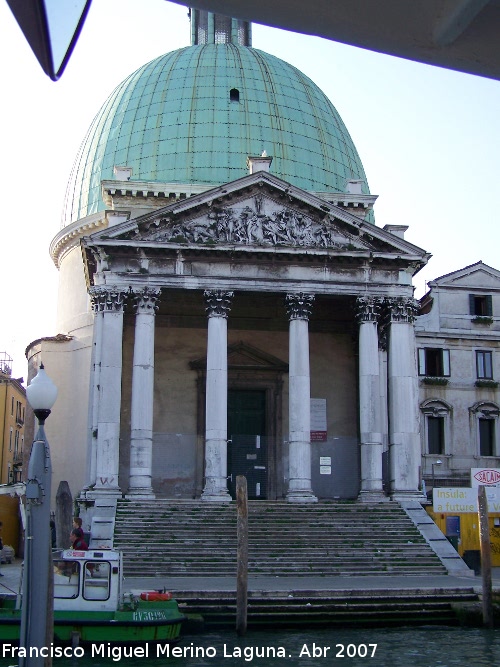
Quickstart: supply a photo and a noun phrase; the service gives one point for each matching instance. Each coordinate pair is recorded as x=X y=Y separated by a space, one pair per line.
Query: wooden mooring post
x=484 y=536
x=242 y=555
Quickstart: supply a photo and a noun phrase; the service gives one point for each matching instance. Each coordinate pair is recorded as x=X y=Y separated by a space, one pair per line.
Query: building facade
x=458 y=342
x=227 y=304
x=12 y=438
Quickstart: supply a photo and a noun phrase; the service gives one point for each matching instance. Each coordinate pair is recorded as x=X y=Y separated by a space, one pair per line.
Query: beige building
x=458 y=342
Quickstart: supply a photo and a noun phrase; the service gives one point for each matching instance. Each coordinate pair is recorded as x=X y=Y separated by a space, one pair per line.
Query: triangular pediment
x=257 y=211
x=477 y=275
x=241 y=356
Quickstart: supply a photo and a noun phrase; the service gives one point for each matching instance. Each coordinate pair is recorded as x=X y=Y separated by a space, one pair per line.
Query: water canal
x=399 y=647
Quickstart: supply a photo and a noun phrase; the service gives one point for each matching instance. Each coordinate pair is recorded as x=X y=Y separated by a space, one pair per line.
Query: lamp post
x=41 y=394
x=436 y=463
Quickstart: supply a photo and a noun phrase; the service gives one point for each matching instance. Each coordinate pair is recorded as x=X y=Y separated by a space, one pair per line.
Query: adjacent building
x=12 y=418
x=458 y=347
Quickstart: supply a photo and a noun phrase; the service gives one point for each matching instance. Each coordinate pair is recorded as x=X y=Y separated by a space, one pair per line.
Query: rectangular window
x=434 y=362
x=484 y=365
x=486 y=437
x=435 y=435
x=480 y=306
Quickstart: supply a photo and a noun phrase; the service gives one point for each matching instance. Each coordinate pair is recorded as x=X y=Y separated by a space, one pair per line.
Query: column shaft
x=141 y=418
x=299 y=488
x=404 y=439
x=369 y=400
x=217 y=307
x=108 y=425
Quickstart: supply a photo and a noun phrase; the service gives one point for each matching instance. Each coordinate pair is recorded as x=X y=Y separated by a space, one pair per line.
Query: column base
x=407 y=496
x=216 y=497
x=373 y=497
x=95 y=494
x=301 y=497
x=140 y=493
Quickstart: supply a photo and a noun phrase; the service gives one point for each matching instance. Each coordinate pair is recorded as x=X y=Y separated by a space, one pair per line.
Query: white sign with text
x=460 y=499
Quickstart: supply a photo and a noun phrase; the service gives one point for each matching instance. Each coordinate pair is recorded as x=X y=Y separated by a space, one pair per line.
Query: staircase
x=195 y=539
x=306 y=609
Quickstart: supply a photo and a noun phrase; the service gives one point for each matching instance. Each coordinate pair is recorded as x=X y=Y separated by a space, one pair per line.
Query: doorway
x=247 y=452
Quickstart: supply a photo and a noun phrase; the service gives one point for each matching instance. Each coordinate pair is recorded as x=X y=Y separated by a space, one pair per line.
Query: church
x=227 y=305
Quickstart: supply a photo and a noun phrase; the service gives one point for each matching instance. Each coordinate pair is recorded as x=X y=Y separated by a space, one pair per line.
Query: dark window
x=486 y=436
x=234 y=95
x=435 y=435
x=484 y=365
x=480 y=306
x=434 y=362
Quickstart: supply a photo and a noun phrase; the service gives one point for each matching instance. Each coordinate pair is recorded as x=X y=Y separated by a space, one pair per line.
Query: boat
x=90 y=607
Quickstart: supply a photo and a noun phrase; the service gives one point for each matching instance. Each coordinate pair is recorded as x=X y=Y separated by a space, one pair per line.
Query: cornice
x=70 y=235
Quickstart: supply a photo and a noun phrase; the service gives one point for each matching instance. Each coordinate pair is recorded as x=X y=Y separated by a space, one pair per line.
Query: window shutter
x=472 y=304
x=489 y=305
x=446 y=362
x=421 y=361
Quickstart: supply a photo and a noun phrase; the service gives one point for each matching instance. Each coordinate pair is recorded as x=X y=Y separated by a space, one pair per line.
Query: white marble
x=141 y=418
x=299 y=488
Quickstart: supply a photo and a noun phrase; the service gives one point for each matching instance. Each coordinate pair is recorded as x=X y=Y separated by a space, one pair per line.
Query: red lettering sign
x=487 y=476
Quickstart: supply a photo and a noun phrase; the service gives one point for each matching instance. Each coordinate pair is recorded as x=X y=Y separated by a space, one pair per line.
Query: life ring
x=154 y=596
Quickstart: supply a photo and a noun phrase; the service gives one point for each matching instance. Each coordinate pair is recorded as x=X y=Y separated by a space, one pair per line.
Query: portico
x=314 y=295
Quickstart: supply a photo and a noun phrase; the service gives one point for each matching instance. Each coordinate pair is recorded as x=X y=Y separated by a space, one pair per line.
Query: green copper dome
x=194 y=115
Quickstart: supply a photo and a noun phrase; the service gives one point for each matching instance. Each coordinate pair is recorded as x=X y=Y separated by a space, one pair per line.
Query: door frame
x=248 y=369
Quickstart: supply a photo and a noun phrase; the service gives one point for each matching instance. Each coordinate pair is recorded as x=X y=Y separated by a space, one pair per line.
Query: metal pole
x=242 y=555
x=35 y=587
x=484 y=534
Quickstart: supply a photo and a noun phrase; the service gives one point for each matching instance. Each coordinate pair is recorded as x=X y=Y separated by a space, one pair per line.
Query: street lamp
x=436 y=463
x=41 y=394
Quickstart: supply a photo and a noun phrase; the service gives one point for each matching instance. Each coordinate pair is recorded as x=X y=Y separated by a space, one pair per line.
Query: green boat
x=89 y=606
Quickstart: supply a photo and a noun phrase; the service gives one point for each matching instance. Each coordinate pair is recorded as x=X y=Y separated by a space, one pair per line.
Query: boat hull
x=150 y=624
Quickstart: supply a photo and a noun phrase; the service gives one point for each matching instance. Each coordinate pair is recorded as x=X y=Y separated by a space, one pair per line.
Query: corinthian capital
x=217 y=302
x=107 y=299
x=299 y=306
x=146 y=300
x=402 y=309
x=367 y=309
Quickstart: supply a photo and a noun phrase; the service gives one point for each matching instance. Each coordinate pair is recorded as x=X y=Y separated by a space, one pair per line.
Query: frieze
x=250 y=225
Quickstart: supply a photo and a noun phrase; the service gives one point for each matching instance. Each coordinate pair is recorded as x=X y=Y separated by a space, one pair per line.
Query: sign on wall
x=485 y=477
x=462 y=499
x=318 y=420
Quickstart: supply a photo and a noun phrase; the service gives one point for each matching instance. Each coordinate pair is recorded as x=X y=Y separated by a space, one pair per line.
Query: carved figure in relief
x=247 y=226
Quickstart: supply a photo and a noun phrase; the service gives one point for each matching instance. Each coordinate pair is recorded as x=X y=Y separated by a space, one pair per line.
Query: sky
x=429 y=140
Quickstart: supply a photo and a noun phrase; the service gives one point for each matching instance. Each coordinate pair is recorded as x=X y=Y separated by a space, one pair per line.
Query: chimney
x=261 y=163
x=353 y=186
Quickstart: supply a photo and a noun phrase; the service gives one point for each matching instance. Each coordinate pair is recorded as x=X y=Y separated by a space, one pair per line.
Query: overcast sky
x=428 y=138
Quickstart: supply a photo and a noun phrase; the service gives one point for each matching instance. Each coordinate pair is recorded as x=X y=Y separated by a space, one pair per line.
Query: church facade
x=227 y=304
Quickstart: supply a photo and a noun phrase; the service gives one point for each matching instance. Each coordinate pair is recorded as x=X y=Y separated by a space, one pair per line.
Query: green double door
x=247 y=446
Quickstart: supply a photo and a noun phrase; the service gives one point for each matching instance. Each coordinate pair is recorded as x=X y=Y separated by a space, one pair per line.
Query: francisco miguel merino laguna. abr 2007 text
x=247 y=653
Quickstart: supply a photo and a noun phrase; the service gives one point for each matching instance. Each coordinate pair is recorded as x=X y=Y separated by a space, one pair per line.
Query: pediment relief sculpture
x=250 y=225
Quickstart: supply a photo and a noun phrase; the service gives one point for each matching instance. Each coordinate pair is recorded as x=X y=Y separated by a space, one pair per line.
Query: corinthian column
x=217 y=306
x=368 y=311
x=141 y=418
x=110 y=386
x=98 y=297
x=299 y=307
x=404 y=440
